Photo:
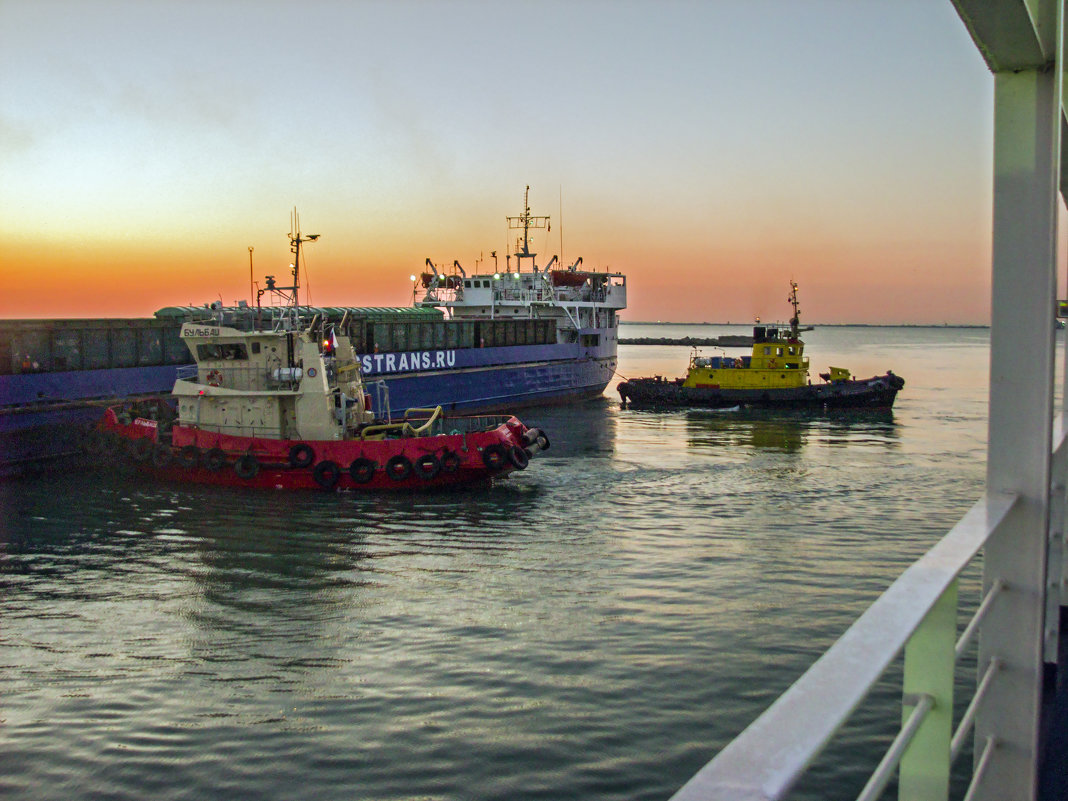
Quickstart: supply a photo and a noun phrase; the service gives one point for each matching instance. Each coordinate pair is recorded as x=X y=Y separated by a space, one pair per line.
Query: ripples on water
x=596 y=627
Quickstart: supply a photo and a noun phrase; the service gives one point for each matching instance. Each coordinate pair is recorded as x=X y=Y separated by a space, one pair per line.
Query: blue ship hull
x=42 y=415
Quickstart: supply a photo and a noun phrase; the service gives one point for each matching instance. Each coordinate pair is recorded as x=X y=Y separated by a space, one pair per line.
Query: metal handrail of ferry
x=772 y=753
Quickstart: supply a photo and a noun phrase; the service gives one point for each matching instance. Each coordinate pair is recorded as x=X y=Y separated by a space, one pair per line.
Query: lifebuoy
x=162 y=455
x=450 y=461
x=214 y=459
x=362 y=470
x=247 y=466
x=188 y=456
x=326 y=474
x=494 y=456
x=399 y=467
x=214 y=378
x=518 y=457
x=427 y=466
x=301 y=455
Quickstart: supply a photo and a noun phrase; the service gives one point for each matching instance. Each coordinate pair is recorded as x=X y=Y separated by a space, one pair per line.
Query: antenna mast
x=526 y=221
x=795 y=321
x=295 y=242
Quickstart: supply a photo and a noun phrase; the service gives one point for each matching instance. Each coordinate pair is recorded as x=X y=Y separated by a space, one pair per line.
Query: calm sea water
x=595 y=627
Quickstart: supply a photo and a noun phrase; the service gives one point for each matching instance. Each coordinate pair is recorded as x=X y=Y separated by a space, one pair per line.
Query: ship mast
x=795 y=321
x=296 y=240
x=526 y=221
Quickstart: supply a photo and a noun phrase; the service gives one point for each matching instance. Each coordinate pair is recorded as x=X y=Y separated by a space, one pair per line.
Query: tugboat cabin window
x=236 y=351
x=767 y=351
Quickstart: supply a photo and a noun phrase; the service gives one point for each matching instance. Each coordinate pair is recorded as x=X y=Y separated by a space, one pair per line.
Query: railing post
x=1026 y=140
x=1055 y=560
x=929 y=667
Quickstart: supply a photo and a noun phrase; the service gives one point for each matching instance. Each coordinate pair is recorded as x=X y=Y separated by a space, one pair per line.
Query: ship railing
x=918 y=615
x=244 y=379
x=580 y=294
x=523 y=295
x=443 y=294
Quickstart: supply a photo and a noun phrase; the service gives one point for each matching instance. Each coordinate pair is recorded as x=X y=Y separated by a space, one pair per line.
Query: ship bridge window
x=767 y=351
x=778 y=351
x=791 y=350
x=207 y=353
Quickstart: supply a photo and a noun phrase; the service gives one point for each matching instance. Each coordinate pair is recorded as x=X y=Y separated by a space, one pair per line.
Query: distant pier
x=728 y=341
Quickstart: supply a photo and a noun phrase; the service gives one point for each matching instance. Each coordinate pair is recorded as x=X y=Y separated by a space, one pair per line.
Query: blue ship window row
x=93 y=345
x=32 y=346
x=450 y=334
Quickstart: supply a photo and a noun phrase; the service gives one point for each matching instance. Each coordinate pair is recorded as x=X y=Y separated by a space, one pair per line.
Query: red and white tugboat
x=276 y=399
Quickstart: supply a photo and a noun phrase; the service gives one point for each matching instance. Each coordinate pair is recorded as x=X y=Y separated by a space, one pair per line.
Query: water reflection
x=582 y=429
x=759 y=430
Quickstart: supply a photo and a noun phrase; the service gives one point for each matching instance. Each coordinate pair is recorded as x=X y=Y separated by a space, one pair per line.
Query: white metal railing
x=766 y=759
x=245 y=379
x=917 y=614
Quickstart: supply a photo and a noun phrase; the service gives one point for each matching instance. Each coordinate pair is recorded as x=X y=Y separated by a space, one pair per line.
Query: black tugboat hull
x=877 y=392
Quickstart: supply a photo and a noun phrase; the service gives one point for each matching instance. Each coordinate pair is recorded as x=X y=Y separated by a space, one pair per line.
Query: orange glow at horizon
x=733 y=281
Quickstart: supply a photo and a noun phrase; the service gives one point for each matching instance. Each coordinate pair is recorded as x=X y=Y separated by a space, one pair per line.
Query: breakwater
x=728 y=341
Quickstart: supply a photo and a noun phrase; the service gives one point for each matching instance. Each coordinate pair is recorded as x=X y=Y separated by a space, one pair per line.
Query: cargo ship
x=484 y=341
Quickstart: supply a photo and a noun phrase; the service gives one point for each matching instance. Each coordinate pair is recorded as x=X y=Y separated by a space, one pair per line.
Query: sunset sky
x=711 y=151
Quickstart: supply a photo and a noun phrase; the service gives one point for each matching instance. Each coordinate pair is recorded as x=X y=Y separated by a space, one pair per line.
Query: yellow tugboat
x=775 y=375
